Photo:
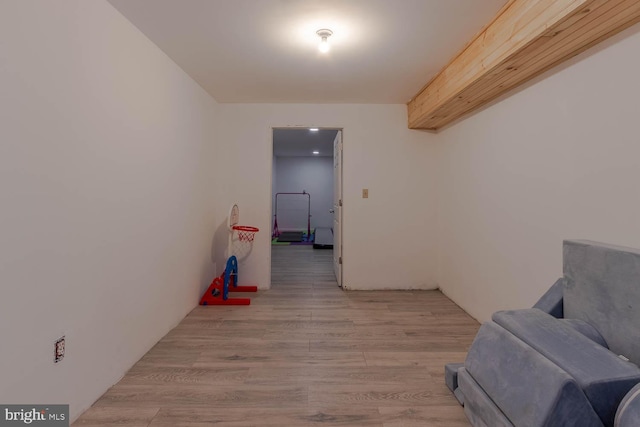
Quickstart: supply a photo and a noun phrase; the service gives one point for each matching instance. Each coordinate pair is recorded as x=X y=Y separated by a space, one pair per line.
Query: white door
x=337 y=207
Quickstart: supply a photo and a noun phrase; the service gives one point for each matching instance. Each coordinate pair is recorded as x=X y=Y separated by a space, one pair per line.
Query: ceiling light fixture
x=324 y=35
x=313 y=129
x=316 y=152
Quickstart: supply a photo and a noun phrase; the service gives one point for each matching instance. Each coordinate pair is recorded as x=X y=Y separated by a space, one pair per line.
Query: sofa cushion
x=527 y=387
x=451 y=375
x=603 y=377
x=628 y=414
x=587 y=330
x=478 y=407
x=602 y=287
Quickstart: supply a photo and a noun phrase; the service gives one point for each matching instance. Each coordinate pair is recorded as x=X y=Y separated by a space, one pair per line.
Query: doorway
x=306 y=206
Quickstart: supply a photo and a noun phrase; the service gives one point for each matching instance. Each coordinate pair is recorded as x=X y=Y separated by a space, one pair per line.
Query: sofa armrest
x=552 y=301
x=528 y=388
x=603 y=377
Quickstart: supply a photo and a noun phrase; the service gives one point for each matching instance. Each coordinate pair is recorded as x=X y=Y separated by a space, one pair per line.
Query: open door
x=337 y=207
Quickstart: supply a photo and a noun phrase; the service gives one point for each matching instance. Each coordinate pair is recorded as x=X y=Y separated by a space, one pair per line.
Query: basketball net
x=242 y=240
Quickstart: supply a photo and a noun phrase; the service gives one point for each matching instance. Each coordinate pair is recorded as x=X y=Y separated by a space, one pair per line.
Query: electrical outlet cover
x=59 y=350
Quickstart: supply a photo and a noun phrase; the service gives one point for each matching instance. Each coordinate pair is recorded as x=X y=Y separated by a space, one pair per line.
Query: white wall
x=389 y=238
x=313 y=175
x=106 y=219
x=558 y=160
x=108 y=180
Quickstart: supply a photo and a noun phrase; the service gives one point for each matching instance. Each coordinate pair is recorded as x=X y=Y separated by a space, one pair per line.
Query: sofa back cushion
x=602 y=287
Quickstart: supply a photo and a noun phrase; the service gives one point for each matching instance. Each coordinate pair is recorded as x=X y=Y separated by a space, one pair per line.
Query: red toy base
x=214 y=295
x=239 y=288
x=243 y=289
x=228 y=301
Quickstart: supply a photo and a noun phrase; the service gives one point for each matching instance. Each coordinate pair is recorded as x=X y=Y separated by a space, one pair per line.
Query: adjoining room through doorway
x=303 y=198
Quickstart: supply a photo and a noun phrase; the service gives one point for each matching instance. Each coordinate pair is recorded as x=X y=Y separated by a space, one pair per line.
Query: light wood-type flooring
x=304 y=353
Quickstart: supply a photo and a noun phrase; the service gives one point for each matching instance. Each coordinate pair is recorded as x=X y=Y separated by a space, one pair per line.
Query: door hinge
x=340 y=202
x=339 y=260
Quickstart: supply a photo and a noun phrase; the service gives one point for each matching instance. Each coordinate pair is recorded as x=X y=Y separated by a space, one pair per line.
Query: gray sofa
x=571 y=360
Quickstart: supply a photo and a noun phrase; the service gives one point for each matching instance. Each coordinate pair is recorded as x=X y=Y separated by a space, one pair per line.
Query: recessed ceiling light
x=313 y=129
x=324 y=35
x=316 y=152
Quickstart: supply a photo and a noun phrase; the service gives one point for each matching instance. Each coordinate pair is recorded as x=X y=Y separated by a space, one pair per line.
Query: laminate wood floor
x=304 y=353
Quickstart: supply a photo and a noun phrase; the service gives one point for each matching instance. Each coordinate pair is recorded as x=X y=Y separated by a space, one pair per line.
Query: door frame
x=339 y=197
x=271 y=184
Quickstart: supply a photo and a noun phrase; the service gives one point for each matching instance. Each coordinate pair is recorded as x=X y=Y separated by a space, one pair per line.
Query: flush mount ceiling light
x=316 y=152
x=324 y=35
x=313 y=129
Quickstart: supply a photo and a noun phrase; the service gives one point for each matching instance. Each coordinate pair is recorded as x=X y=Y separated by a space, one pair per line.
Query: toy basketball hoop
x=240 y=236
x=240 y=245
x=245 y=232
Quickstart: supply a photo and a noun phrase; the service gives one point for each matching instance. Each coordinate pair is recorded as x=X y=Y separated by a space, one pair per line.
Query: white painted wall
x=313 y=175
x=105 y=176
x=108 y=179
x=389 y=238
x=558 y=160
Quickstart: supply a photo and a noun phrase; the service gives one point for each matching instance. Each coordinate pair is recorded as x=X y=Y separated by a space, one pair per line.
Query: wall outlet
x=365 y=193
x=59 y=350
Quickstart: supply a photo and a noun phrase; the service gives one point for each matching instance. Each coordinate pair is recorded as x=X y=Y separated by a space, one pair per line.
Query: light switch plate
x=365 y=193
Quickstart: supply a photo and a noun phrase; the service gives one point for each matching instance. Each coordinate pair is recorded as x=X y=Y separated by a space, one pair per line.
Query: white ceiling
x=302 y=142
x=382 y=51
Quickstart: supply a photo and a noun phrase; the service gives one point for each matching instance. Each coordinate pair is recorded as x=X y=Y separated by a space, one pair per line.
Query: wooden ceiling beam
x=525 y=39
